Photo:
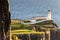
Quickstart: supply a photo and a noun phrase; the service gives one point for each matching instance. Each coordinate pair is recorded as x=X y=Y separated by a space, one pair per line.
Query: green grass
x=26 y=21
x=38 y=19
x=45 y=24
x=17 y=26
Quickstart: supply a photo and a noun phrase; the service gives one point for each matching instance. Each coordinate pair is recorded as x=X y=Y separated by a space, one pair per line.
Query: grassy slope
x=18 y=25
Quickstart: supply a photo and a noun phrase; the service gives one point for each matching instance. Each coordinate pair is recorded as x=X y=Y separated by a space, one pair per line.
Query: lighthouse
x=49 y=15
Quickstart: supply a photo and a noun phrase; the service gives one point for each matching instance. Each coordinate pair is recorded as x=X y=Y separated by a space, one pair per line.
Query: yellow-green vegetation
x=44 y=27
x=21 y=30
x=26 y=21
x=28 y=33
x=39 y=19
x=46 y=24
x=17 y=25
x=14 y=33
x=21 y=26
x=24 y=31
x=14 y=37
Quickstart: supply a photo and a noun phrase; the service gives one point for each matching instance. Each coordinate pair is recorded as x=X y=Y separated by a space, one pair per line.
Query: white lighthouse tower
x=49 y=15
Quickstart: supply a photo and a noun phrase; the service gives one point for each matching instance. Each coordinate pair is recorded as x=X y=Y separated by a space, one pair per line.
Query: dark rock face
x=55 y=35
x=34 y=37
x=25 y=37
x=4 y=18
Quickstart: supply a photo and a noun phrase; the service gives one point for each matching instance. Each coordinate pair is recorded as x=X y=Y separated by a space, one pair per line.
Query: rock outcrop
x=55 y=35
x=4 y=19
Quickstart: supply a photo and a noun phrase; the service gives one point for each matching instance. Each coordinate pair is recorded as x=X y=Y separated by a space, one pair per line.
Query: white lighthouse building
x=49 y=15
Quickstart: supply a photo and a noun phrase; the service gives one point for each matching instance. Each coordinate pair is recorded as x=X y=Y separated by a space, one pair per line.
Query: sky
x=24 y=9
